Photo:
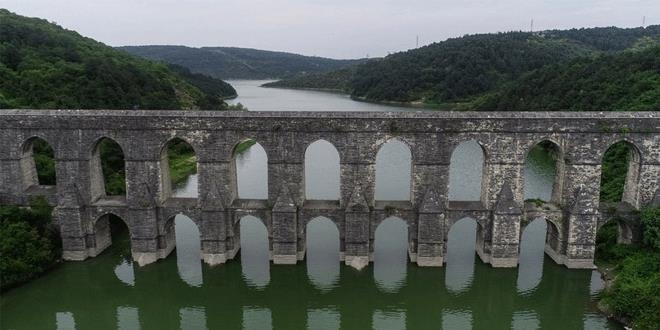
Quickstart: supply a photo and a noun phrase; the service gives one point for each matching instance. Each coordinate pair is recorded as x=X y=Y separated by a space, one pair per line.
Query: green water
x=89 y=295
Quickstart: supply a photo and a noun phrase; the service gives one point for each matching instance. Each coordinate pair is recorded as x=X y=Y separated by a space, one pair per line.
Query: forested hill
x=239 y=63
x=627 y=81
x=43 y=65
x=458 y=72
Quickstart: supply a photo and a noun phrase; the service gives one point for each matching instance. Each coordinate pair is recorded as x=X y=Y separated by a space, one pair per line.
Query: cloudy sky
x=331 y=28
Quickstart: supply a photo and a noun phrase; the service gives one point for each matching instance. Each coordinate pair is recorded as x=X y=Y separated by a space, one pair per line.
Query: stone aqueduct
x=574 y=213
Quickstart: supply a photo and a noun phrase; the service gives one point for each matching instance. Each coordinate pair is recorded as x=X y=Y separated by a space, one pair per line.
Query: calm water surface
x=181 y=292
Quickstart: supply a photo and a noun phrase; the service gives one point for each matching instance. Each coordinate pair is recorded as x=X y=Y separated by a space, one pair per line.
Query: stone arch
x=101 y=232
x=250 y=170
x=30 y=168
x=475 y=189
x=98 y=180
x=166 y=178
x=328 y=174
x=393 y=177
x=184 y=233
x=552 y=148
x=631 y=183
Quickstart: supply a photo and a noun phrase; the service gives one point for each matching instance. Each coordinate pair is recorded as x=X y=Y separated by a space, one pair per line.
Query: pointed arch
x=178 y=160
x=106 y=229
x=543 y=173
x=466 y=171
x=37 y=163
x=322 y=171
x=107 y=169
x=250 y=177
x=393 y=171
x=621 y=166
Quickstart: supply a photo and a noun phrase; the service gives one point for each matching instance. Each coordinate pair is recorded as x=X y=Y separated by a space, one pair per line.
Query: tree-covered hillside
x=334 y=81
x=239 y=63
x=43 y=65
x=459 y=71
x=628 y=81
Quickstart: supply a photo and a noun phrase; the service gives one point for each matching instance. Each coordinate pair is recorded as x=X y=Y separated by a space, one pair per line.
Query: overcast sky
x=330 y=28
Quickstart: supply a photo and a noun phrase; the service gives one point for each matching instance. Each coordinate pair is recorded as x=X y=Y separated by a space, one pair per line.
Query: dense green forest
x=635 y=293
x=43 y=65
x=239 y=63
x=462 y=73
x=29 y=242
x=627 y=81
x=333 y=81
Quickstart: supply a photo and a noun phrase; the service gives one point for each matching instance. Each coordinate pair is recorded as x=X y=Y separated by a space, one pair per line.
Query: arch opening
x=186 y=235
x=621 y=166
x=38 y=163
x=111 y=230
x=391 y=254
x=614 y=239
x=322 y=171
x=322 y=242
x=460 y=254
x=544 y=165
x=466 y=172
x=251 y=170
x=393 y=172
x=178 y=163
x=533 y=240
x=254 y=251
x=108 y=169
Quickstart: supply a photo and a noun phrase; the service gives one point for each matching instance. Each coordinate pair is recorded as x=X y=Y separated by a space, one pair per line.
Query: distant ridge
x=462 y=73
x=239 y=63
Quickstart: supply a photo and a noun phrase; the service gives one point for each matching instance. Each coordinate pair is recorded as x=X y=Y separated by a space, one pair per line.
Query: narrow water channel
x=181 y=292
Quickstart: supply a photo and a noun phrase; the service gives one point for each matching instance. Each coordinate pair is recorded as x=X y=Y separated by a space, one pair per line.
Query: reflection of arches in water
x=543 y=173
x=251 y=170
x=37 y=163
x=532 y=247
x=322 y=244
x=257 y=318
x=175 y=157
x=466 y=169
x=391 y=253
x=456 y=319
x=127 y=318
x=65 y=321
x=322 y=177
x=460 y=257
x=107 y=169
x=523 y=320
x=192 y=318
x=615 y=187
x=108 y=229
x=393 y=171
x=185 y=232
x=255 y=251
x=390 y=319
x=327 y=319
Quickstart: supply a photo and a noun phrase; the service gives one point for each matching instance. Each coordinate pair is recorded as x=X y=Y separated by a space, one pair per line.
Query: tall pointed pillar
x=357 y=215
x=285 y=218
x=582 y=219
x=430 y=226
x=506 y=229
